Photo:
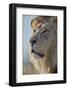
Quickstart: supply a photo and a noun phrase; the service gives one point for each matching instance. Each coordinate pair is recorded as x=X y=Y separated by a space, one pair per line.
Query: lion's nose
x=33 y=41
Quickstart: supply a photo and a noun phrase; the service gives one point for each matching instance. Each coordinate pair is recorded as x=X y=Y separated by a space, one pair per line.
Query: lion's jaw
x=45 y=64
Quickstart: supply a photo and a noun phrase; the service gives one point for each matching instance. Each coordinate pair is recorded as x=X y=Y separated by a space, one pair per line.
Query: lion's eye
x=46 y=30
x=34 y=30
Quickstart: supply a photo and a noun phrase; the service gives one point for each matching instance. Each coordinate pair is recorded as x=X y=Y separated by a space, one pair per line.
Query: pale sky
x=26 y=35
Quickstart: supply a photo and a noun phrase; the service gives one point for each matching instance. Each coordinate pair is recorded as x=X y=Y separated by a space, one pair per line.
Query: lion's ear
x=55 y=23
x=54 y=19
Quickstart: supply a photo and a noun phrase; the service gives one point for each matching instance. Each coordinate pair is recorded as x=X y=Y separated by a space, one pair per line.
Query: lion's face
x=44 y=37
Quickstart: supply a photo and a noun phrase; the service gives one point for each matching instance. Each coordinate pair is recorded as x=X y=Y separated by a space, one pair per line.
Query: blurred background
x=27 y=33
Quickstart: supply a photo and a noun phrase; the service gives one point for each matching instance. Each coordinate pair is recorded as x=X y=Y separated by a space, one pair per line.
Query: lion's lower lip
x=41 y=55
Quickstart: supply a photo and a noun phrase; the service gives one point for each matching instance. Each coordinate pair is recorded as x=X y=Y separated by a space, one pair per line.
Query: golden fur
x=48 y=63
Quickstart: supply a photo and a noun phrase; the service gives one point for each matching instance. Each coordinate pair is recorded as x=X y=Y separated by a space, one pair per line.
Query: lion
x=43 y=44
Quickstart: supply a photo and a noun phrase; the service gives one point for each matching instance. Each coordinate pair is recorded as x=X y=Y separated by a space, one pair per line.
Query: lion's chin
x=37 y=55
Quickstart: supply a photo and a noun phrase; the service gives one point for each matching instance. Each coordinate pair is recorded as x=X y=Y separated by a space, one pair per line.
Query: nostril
x=33 y=41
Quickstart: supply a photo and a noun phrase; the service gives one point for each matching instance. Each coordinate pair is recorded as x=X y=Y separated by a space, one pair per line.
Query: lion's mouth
x=39 y=54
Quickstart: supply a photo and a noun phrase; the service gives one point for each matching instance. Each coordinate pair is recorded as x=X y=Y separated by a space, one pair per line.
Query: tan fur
x=44 y=65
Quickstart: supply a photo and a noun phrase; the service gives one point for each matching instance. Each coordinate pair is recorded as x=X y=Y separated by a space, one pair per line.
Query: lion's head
x=44 y=43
